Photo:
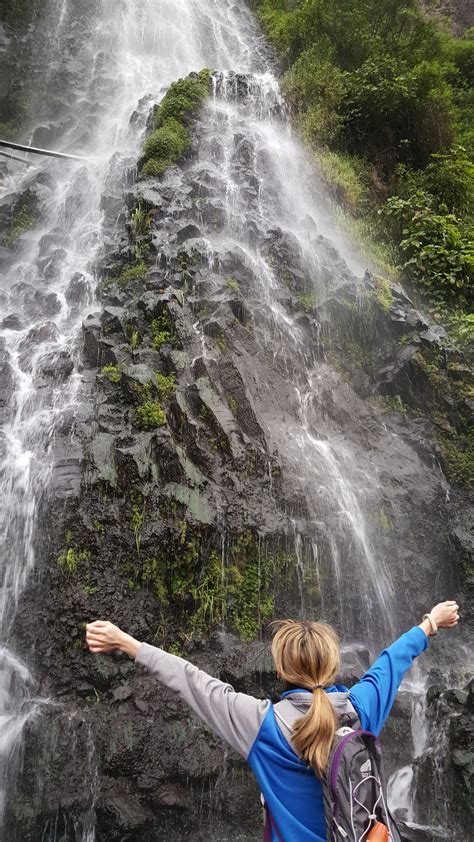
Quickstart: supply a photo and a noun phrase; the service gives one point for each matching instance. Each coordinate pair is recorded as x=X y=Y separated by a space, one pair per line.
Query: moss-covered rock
x=171 y=137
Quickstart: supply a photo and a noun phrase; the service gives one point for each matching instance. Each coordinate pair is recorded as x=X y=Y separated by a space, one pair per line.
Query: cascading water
x=105 y=57
x=108 y=62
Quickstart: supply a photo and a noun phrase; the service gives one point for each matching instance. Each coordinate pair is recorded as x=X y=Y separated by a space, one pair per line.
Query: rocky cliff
x=181 y=506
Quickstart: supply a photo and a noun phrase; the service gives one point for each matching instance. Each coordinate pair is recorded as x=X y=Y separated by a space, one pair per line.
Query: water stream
x=107 y=61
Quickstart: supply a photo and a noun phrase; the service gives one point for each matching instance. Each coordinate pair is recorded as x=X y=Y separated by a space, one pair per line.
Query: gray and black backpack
x=354 y=787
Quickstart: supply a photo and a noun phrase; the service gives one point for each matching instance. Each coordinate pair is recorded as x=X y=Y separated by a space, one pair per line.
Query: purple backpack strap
x=269 y=826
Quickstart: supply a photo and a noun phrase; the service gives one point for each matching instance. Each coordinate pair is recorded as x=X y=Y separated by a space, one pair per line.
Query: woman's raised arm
x=373 y=696
x=235 y=717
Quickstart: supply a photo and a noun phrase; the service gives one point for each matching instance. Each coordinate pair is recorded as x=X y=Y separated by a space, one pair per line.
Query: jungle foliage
x=383 y=92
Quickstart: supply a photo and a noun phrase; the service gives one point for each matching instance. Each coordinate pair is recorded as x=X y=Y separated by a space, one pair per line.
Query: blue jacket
x=261 y=732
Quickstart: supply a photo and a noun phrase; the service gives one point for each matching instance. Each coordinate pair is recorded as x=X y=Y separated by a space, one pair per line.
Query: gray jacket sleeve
x=234 y=716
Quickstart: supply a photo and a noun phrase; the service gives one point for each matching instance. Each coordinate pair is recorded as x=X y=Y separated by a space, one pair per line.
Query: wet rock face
x=448 y=767
x=185 y=508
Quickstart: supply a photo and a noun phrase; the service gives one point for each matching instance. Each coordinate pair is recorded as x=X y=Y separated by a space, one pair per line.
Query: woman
x=287 y=745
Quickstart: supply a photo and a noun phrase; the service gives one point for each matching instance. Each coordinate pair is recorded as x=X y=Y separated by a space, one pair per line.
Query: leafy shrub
x=391 y=106
x=385 y=95
x=435 y=247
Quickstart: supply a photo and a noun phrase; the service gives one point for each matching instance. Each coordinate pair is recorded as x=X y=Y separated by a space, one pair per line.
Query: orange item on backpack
x=378 y=833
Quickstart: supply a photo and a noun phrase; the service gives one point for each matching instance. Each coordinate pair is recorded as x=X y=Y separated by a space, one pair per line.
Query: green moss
x=154 y=574
x=307 y=301
x=166 y=385
x=112 y=373
x=24 y=220
x=19 y=13
x=358 y=355
x=69 y=559
x=134 y=339
x=184 y=98
x=162 y=332
x=457 y=457
x=253 y=602
x=233 y=285
x=233 y=406
x=99 y=529
x=383 y=293
x=164 y=147
x=130 y=273
x=150 y=414
x=390 y=403
x=171 y=139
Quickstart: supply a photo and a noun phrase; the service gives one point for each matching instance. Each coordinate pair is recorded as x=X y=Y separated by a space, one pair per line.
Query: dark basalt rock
x=58 y=365
x=12 y=322
x=78 y=290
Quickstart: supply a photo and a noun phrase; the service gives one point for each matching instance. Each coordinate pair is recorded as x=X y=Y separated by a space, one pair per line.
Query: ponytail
x=307 y=654
x=313 y=734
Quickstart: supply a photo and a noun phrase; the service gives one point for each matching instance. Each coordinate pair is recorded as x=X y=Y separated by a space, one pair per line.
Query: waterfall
x=107 y=62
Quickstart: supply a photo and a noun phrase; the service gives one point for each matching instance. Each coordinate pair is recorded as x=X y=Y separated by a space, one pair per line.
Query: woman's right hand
x=445 y=614
x=102 y=636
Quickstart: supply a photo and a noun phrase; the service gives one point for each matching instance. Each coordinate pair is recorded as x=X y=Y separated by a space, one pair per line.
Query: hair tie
x=317 y=687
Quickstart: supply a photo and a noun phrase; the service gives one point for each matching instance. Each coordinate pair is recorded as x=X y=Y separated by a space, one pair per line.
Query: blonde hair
x=307 y=654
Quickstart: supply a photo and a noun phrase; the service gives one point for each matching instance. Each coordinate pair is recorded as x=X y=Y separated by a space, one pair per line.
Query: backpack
x=354 y=786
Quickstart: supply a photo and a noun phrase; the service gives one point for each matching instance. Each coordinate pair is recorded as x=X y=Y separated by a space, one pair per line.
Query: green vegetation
x=150 y=414
x=141 y=223
x=233 y=285
x=18 y=13
x=199 y=588
x=69 y=559
x=141 y=219
x=23 y=220
x=391 y=403
x=162 y=332
x=112 y=373
x=171 y=138
x=133 y=272
x=457 y=457
x=382 y=91
x=166 y=385
x=307 y=301
x=134 y=339
x=383 y=293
